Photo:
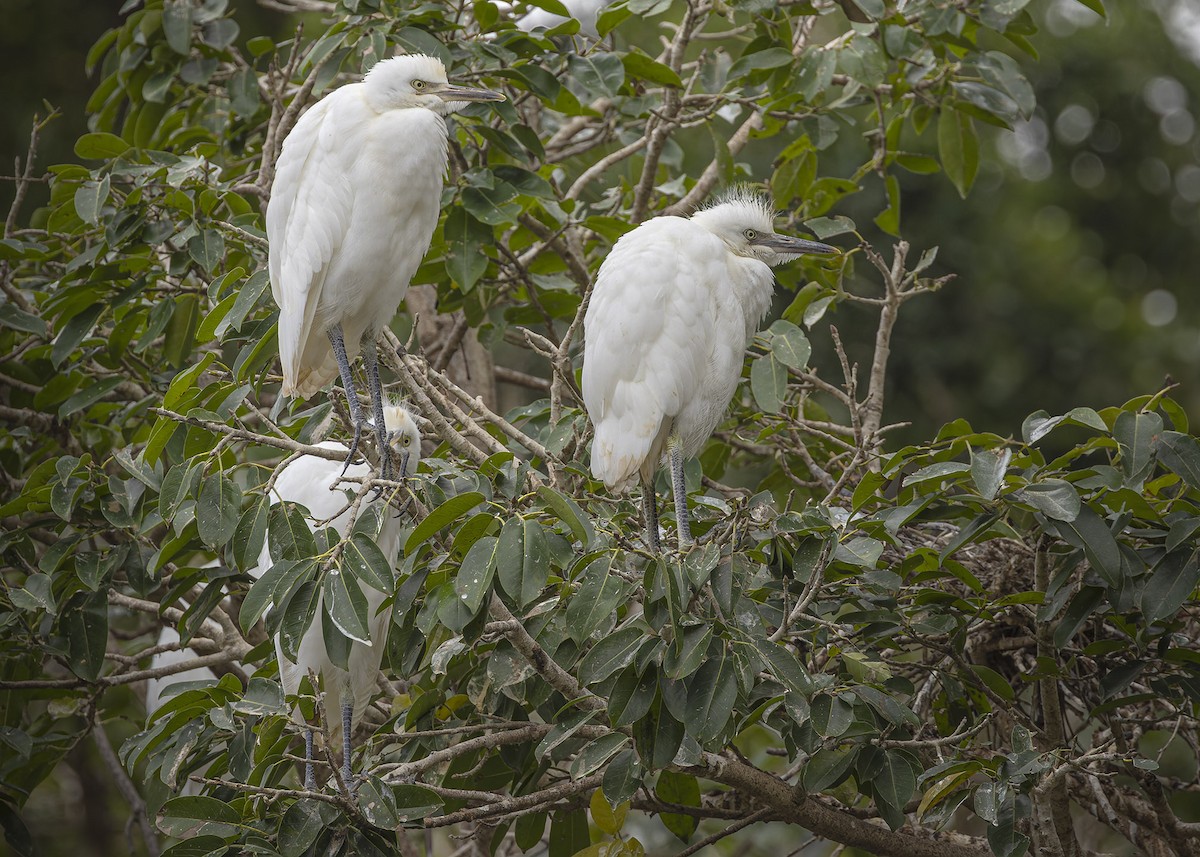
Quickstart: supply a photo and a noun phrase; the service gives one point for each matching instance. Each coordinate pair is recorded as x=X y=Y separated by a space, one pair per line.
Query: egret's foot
x=679 y=490
x=354 y=442
x=310 y=779
x=650 y=517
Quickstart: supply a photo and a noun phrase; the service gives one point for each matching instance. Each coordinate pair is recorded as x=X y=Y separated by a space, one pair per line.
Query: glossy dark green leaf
x=363 y=560
x=198 y=815
x=682 y=789
x=712 y=694
x=768 y=383
x=828 y=767
x=301 y=824
x=598 y=596
x=346 y=605
x=1055 y=498
x=218 y=509
x=444 y=515
x=958 y=148
x=474 y=579
x=84 y=623
x=522 y=560
x=1181 y=454
x=988 y=467
x=1172 y=581
x=1136 y=434
x=614 y=652
x=568 y=832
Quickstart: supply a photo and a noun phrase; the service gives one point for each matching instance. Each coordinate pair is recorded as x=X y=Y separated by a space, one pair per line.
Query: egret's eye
x=408 y=441
x=750 y=234
x=418 y=85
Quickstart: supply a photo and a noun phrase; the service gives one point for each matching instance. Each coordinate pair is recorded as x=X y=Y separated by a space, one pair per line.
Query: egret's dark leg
x=310 y=780
x=650 y=515
x=347 y=713
x=356 y=414
x=679 y=491
x=371 y=364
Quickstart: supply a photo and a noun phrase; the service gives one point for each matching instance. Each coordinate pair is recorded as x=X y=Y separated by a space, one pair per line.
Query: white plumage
x=673 y=310
x=355 y=201
x=314 y=484
x=585 y=11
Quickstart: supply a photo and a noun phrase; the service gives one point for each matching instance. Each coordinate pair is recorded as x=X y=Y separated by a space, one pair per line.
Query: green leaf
x=415 y=801
x=598 y=73
x=828 y=227
x=377 y=803
x=889 y=219
x=100 y=146
x=682 y=789
x=218 y=509
x=988 y=467
x=789 y=345
x=828 y=767
x=759 y=60
x=16 y=318
x=568 y=832
x=364 y=561
x=444 y=515
x=606 y=817
x=88 y=396
x=84 y=623
x=303 y=822
x=1055 y=498
x=631 y=697
x=251 y=532
x=465 y=238
x=474 y=579
x=569 y=512
x=897 y=781
x=188 y=817
x=638 y=64
x=346 y=606
x=177 y=24
x=1171 y=583
x=207 y=249
x=614 y=652
x=1180 y=453
x=768 y=383
x=90 y=199
x=958 y=148
x=74 y=332
x=712 y=694
x=275 y=583
x=523 y=560
x=1136 y=435
x=596 y=600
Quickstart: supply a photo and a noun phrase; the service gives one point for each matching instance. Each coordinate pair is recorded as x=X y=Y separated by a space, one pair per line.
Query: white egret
x=585 y=11
x=355 y=201
x=314 y=484
x=674 y=307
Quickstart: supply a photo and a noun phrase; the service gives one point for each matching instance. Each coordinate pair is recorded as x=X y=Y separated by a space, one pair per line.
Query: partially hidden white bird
x=314 y=483
x=354 y=204
x=585 y=11
x=674 y=307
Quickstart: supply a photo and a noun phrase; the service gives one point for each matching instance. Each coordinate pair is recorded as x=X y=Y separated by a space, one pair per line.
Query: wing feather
x=307 y=220
x=647 y=342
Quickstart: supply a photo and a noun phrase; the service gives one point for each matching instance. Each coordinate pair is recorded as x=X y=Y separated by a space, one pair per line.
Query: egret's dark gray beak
x=790 y=245
x=453 y=92
x=404 y=465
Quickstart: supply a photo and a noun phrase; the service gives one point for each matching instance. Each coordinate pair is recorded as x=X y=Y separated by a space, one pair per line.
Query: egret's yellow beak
x=454 y=92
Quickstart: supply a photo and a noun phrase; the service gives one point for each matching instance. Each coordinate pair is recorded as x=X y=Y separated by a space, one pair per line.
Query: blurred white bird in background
x=675 y=305
x=584 y=11
x=355 y=202
x=314 y=484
